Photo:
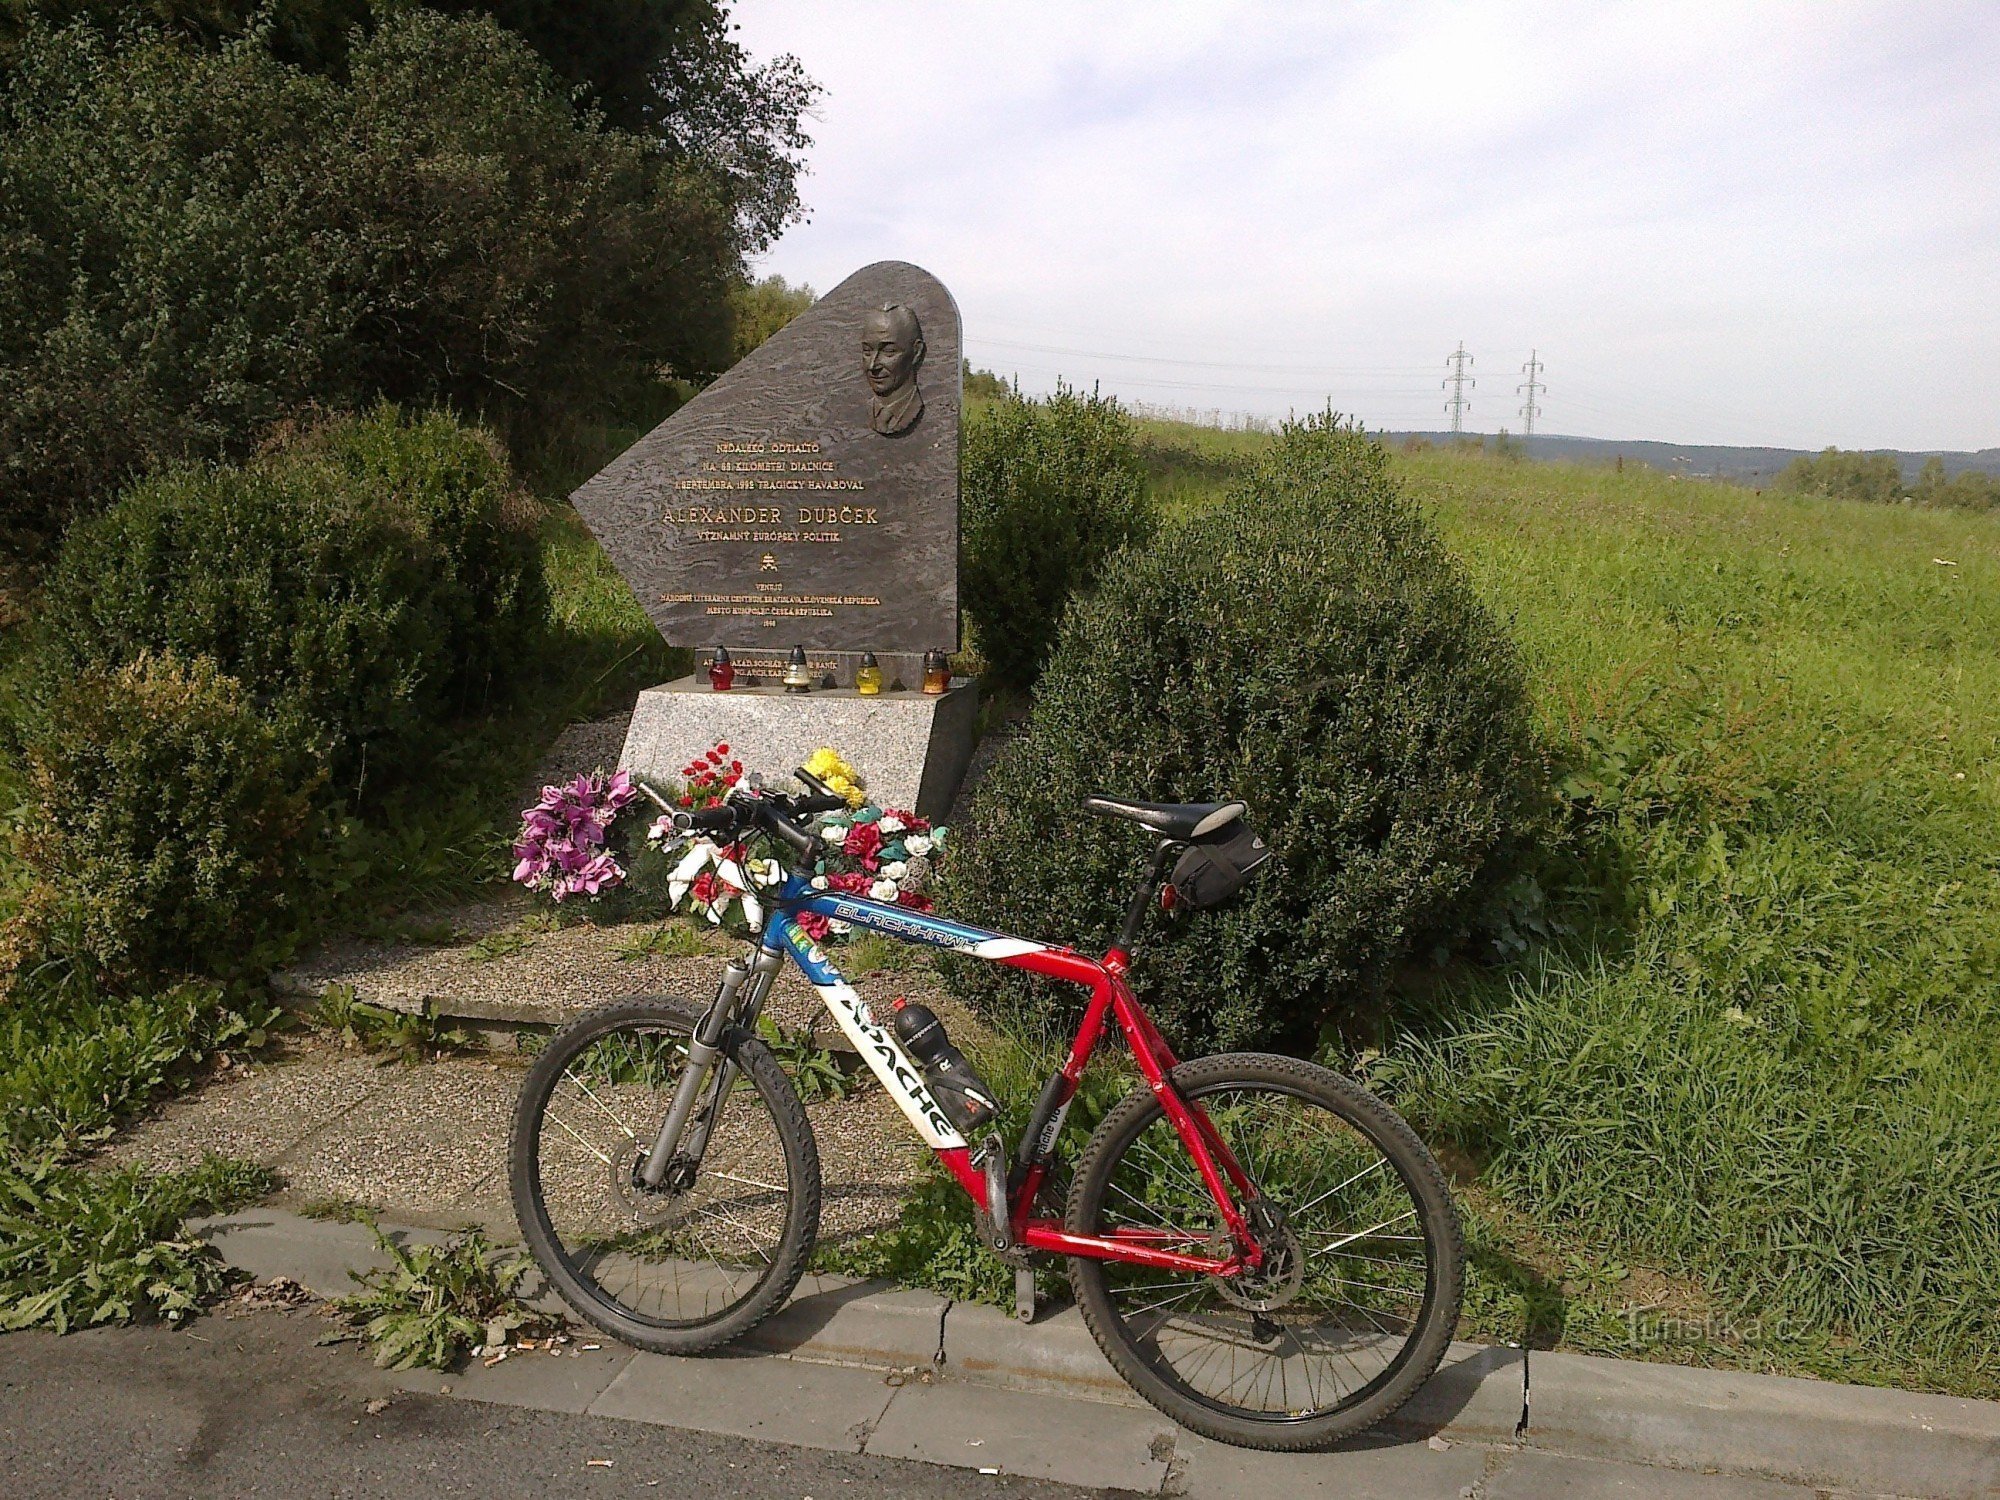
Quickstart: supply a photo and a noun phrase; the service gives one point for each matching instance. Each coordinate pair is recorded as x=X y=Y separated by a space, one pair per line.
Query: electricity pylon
x=1456 y=382
x=1532 y=387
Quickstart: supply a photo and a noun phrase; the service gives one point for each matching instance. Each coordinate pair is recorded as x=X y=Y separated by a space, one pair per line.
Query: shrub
x=170 y=819
x=1970 y=489
x=364 y=585
x=194 y=244
x=1051 y=488
x=1308 y=646
x=1873 y=477
x=763 y=307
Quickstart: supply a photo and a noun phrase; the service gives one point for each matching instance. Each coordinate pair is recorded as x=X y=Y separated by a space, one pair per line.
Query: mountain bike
x=1262 y=1248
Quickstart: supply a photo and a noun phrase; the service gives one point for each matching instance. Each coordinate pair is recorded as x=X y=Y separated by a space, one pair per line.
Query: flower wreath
x=868 y=850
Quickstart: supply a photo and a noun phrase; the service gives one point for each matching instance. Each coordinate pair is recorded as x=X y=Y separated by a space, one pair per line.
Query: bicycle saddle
x=1179 y=821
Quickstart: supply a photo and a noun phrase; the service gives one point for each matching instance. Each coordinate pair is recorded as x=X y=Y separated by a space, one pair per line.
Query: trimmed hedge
x=1308 y=646
x=171 y=822
x=365 y=584
x=1051 y=488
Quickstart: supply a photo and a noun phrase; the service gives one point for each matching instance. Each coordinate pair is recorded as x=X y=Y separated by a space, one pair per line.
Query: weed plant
x=73 y=1062
x=397 y=1035
x=668 y=940
x=816 y=1072
x=434 y=1304
x=867 y=953
x=934 y=1243
x=79 y=1248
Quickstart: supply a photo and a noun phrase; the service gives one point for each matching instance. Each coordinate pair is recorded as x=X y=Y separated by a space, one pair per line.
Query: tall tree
x=666 y=69
x=198 y=243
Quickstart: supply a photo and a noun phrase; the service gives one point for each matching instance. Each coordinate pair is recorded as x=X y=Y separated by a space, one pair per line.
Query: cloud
x=1726 y=223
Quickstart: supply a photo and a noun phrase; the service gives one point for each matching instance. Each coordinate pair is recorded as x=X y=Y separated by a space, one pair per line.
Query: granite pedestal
x=912 y=748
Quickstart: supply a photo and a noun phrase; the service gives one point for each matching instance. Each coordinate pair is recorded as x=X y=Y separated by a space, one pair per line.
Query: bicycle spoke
x=1335 y=1302
x=580 y=1140
x=702 y=1242
x=580 y=1084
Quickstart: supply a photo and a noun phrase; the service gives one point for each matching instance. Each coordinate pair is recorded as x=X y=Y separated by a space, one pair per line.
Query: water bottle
x=960 y=1092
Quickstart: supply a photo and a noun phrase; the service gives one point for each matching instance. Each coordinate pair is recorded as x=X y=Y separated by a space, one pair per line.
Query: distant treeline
x=1878 y=478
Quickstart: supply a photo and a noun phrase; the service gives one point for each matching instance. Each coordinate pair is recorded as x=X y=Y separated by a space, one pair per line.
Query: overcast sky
x=1715 y=223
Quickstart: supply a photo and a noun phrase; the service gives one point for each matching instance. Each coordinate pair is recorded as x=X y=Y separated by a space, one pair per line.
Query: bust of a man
x=892 y=349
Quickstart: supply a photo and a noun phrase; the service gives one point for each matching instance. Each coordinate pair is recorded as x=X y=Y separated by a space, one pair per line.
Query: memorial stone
x=809 y=497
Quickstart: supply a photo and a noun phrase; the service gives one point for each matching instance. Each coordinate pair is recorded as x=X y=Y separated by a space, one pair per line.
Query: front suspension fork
x=741 y=992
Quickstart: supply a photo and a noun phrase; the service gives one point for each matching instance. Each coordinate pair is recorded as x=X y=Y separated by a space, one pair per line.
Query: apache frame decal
x=878 y=1048
x=917 y=927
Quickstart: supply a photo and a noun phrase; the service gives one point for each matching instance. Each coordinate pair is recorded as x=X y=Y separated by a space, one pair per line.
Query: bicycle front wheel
x=1359 y=1291
x=719 y=1245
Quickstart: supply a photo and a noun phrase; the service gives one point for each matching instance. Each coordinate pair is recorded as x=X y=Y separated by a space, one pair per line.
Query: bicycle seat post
x=1142 y=898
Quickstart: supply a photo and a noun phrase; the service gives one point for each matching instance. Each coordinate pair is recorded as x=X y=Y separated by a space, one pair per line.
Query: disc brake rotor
x=649 y=1208
x=1278 y=1279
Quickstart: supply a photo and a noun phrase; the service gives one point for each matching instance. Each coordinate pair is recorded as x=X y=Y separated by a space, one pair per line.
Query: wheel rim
x=691 y=1252
x=1338 y=1310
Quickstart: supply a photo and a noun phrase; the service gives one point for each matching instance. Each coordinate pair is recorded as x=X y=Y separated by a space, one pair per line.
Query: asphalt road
x=248 y=1406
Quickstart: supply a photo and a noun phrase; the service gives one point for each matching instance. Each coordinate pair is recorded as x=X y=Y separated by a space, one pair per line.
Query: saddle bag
x=1210 y=871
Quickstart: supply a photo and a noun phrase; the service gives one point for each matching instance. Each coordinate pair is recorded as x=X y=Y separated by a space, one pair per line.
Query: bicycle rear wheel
x=720 y=1244
x=1358 y=1297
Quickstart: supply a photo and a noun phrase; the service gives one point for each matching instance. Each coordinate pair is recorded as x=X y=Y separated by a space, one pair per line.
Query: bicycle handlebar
x=721 y=819
x=776 y=815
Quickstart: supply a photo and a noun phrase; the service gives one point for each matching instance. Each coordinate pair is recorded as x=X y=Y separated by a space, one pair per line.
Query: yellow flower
x=833 y=768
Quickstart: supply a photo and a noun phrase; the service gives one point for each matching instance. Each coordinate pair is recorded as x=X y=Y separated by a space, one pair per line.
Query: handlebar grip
x=706 y=820
x=823 y=802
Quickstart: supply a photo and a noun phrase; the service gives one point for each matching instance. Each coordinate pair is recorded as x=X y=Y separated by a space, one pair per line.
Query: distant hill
x=1751 y=466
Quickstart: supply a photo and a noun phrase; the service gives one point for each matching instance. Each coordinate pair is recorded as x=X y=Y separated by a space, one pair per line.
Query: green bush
x=1970 y=489
x=1873 y=477
x=365 y=585
x=195 y=244
x=170 y=821
x=1051 y=488
x=1309 y=646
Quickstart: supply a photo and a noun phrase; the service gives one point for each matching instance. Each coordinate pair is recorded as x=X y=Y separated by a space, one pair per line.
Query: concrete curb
x=1806 y=1432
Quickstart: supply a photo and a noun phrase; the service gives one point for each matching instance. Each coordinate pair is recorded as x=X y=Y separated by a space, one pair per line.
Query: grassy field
x=1740 y=1099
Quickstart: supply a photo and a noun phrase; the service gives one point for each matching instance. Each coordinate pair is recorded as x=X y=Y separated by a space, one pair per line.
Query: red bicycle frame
x=1220 y=1172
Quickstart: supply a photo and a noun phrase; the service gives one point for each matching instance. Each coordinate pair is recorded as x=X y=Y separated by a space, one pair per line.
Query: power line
x=1458 y=380
x=1200 y=364
x=1532 y=386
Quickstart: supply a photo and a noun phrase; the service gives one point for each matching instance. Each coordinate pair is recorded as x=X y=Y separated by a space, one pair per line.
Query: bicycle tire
x=1150 y=1373
x=658 y=1013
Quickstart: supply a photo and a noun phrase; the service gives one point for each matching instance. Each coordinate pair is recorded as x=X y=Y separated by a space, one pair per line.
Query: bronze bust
x=892 y=348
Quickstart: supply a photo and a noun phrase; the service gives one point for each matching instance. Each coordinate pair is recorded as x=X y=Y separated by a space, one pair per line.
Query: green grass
x=673 y=939
x=1725 y=1089
x=934 y=1242
x=1759 y=1057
